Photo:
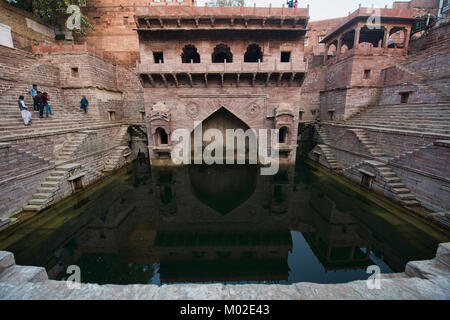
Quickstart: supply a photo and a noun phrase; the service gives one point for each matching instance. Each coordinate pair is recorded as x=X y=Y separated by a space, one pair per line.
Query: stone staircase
x=324 y=142
x=423 y=118
x=330 y=157
x=323 y=135
x=116 y=155
x=368 y=143
x=394 y=183
x=70 y=147
x=118 y=152
x=46 y=192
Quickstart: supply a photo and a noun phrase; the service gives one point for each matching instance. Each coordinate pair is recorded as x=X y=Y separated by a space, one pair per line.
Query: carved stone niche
x=284 y=120
x=160 y=124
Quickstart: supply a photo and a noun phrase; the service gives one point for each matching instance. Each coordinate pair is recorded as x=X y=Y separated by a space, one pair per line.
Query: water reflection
x=219 y=223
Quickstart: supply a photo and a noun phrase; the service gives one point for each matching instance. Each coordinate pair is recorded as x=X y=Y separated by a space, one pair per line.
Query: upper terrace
x=380 y=30
x=220 y=18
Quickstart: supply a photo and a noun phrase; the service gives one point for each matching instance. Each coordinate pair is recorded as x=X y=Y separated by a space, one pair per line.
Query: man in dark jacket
x=40 y=104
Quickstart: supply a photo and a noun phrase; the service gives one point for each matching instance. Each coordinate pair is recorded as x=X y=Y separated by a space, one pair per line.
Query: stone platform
x=427 y=279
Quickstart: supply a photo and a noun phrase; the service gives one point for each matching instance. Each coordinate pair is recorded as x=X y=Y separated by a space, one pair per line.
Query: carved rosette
x=192 y=110
x=253 y=110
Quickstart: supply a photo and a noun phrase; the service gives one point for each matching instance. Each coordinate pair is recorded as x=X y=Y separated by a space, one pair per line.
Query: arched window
x=221 y=54
x=161 y=137
x=332 y=49
x=253 y=53
x=374 y=37
x=190 y=54
x=397 y=38
x=282 y=135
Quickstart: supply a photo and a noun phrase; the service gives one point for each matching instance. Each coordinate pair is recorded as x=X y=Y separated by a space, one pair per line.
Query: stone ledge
x=431 y=280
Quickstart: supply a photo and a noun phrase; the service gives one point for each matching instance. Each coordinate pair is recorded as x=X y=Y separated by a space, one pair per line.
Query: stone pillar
x=406 y=44
x=327 y=47
x=356 y=41
x=338 y=49
x=386 y=36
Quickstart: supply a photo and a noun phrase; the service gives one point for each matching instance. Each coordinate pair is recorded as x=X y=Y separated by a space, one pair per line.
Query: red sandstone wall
x=23 y=37
x=426 y=173
x=19 y=70
x=425 y=72
x=106 y=86
x=318 y=30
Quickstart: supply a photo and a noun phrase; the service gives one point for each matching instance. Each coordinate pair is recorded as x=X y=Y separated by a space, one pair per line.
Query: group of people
x=40 y=101
x=292 y=3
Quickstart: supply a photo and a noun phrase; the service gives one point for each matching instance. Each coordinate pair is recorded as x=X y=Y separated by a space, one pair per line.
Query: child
x=45 y=99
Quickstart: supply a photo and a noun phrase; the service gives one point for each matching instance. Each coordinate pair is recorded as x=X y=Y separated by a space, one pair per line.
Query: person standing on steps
x=45 y=99
x=84 y=103
x=34 y=93
x=40 y=104
x=26 y=115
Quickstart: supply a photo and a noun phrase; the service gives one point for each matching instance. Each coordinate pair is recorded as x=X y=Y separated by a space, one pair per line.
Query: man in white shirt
x=26 y=115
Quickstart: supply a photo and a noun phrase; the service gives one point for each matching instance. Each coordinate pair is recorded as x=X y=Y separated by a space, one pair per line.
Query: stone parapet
x=422 y=280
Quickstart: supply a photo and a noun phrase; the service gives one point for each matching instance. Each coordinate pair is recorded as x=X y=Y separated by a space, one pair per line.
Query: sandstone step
x=407 y=196
x=38 y=202
x=411 y=203
x=42 y=195
x=32 y=208
x=393 y=179
x=57 y=173
x=401 y=190
x=45 y=190
x=53 y=178
x=389 y=174
x=50 y=184
x=397 y=185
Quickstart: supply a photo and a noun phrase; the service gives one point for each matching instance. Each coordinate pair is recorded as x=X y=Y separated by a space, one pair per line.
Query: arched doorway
x=222 y=120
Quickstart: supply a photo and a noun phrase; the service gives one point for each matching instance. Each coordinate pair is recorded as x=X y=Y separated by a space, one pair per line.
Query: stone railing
x=233 y=67
x=366 y=49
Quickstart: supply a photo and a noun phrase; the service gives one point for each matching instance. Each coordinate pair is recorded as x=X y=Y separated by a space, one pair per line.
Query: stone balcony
x=270 y=73
x=365 y=49
x=226 y=67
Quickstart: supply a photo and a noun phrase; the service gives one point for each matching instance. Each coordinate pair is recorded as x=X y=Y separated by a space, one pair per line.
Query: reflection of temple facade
x=224 y=223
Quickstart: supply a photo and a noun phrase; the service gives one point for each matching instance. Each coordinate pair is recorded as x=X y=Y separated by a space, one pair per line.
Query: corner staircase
x=118 y=152
x=368 y=143
x=45 y=193
x=329 y=156
x=395 y=184
x=70 y=147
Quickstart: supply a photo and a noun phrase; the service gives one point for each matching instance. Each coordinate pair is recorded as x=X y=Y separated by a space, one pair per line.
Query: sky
x=321 y=9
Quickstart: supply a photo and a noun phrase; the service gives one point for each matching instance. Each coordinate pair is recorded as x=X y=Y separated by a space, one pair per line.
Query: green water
x=223 y=224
